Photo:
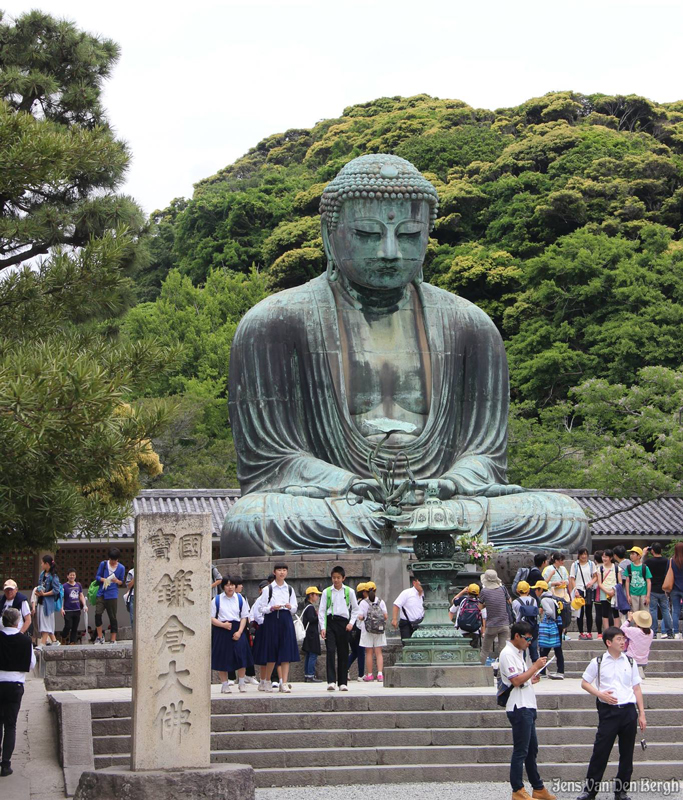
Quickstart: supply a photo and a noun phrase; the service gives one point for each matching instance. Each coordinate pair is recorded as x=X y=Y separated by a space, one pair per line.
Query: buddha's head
x=376 y=218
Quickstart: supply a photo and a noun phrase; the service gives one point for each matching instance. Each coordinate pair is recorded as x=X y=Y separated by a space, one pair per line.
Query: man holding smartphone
x=614 y=680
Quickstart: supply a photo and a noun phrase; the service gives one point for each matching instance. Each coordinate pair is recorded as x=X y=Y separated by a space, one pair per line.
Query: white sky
x=200 y=83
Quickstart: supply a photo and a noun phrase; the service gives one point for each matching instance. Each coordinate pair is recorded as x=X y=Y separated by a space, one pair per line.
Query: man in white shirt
x=614 y=679
x=521 y=711
x=336 y=616
x=16 y=659
x=410 y=605
x=13 y=599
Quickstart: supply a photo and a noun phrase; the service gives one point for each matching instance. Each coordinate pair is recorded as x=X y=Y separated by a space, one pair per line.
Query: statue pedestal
x=219 y=781
x=438 y=676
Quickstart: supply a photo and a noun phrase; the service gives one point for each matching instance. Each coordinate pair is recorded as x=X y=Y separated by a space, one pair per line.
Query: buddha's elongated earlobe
x=332 y=271
x=417 y=280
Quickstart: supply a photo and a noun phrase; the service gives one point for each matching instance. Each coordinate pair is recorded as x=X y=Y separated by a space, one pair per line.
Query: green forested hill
x=561 y=217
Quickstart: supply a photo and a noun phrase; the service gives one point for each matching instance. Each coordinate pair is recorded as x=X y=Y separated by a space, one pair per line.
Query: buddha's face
x=381 y=244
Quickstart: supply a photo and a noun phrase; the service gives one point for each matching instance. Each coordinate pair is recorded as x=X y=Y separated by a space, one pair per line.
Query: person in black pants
x=16 y=659
x=336 y=617
x=614 y=680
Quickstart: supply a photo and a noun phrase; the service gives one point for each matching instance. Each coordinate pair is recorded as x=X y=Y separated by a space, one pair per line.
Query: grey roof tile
x=663 y=517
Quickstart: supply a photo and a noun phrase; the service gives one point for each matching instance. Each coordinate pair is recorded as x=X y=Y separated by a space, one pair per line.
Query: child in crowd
x=639 y=636
x=229 y=647
x=606 y=590
x=337 y=615
x=637 y=581
x=466 y=615
x=549 y=629
x=356 y=652
x=278 y=606
x=373 y=616
x=74 y=603
x=525 y=609
x=311 y=644
x=251 y=673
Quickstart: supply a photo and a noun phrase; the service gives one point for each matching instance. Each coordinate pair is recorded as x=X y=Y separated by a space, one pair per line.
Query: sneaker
x=556 y=676
x=242 y=687
x=262 y=686
x=6 y=770
x=678 y=635
x=275 y=684
x=367 y=678
x=343 y=688
x=669 y=636
x=331 y=687
x=567 y=637
x=654 y=635
x=268 y=687
x=316 y=680
x=380 y=677
x=360 y=678
x=56 y=643
x=252 y=680
x=589 y=636
x=285 y=688
x=231 y=683
x=225 y=688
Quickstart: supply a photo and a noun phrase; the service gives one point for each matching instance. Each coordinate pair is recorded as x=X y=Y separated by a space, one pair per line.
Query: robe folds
x=291 y=424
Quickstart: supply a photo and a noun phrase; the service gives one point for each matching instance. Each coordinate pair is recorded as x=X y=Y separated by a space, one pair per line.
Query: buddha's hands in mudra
x=448 y=488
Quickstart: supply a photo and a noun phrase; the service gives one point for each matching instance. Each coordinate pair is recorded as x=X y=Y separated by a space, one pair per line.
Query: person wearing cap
x=639 y=636
x=356 y=652
x=549 y=635
x=410 y=606
x=637 y=581
x=557 y=578
x=470 y=592
x=14 y=599
x=520 y=709
x=495 y=599
x=521 y=614
x=372 y=641
x=613 y=678
x=16 y=659
x=311 y=644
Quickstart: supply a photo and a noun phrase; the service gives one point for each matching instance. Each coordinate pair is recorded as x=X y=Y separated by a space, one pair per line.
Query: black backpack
x=528 y=612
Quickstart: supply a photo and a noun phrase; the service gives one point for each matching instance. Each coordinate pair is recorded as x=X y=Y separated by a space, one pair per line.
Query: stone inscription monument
x=316 y=368
x=172 y=644
x=171 y=752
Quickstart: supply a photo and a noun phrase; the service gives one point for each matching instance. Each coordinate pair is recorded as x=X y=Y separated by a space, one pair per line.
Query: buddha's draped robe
x=292 y=428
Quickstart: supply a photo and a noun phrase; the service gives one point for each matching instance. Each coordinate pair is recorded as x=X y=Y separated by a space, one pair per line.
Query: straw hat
x=643 y=619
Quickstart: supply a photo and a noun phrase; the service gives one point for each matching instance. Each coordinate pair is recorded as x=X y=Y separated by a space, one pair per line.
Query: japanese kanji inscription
x=171 y=681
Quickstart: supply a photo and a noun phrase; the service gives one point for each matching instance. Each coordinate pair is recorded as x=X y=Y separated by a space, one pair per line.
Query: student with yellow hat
x=637 y=581
x=311 y=644
x=525 y=609
x=356 y=652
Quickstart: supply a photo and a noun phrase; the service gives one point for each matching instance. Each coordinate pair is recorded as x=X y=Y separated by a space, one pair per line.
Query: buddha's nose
x=389 y=248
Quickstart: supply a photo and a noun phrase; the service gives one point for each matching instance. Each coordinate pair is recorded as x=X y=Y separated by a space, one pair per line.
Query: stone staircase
x=395 y=736
x=666 y=657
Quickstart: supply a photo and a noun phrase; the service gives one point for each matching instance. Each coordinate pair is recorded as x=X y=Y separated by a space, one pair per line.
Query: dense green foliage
x=71 y=447
x=561 y=217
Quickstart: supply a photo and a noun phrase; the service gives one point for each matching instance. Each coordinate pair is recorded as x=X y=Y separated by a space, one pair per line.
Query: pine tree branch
x=17 y=258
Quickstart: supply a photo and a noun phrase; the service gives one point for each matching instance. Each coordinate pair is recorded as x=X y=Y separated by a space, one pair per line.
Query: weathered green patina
x=315 y=368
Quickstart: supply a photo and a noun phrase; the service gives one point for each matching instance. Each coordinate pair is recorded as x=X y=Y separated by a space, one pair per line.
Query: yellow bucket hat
x=578 y=602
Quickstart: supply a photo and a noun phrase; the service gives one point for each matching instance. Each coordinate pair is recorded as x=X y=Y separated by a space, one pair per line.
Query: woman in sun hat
x=639 y=636
x=496 y=600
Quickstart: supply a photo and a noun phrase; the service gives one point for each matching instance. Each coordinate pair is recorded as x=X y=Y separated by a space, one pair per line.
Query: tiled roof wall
x=663 y=517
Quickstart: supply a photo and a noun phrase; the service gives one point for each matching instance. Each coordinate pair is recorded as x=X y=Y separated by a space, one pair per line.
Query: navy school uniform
x=226 y=653
x=277 y=642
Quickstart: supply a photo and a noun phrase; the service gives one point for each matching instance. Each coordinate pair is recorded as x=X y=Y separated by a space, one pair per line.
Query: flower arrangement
x=477 y=551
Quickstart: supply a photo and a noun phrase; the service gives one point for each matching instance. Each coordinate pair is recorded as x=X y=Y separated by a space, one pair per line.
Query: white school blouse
x=229 y=608
x=281 y=597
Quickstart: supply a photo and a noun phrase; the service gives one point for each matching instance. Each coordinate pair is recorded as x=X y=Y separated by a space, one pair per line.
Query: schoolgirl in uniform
x=229 y=647
x=256 y=618
x=278 y=606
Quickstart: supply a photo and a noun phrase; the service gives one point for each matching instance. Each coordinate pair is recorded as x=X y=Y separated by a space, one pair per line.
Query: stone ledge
x=220 y=781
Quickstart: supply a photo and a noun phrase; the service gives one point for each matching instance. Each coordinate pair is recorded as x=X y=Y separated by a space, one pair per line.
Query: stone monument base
x=441 y=677
x=217 y=782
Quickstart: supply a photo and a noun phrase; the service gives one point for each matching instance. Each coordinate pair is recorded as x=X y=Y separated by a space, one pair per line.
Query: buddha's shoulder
x=288 y=307
x=455 y=305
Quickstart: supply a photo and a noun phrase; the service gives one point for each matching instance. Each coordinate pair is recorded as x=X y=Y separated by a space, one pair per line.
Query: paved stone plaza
x=38 y=775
